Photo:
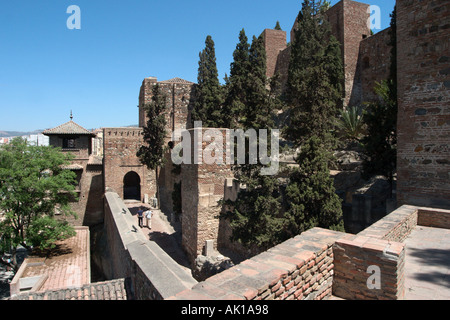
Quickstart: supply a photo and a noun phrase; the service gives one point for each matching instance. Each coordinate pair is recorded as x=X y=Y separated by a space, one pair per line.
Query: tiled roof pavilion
x=68 y=128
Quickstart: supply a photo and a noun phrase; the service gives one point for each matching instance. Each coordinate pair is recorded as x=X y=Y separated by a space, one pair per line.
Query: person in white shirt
x=148 y=217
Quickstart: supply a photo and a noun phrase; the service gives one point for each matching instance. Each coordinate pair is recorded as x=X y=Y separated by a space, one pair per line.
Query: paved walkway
x=427 y=264
x=163 y=234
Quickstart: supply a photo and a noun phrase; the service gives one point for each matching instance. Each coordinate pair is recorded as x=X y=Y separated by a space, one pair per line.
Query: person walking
x=140 y=217
x=148 y=217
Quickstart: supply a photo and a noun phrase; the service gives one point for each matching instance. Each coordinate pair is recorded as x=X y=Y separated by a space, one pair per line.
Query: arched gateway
x=132 y=186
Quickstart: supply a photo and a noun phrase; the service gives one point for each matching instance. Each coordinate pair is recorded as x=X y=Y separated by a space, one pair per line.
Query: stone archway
x=132 y=186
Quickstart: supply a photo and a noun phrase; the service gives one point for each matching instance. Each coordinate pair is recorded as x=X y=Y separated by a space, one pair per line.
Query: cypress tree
x=257 y=113
x=314 y=89
x=314 y=92
x=236 y=87
x=310 y=194
x=209 y=93
x=255 y=217
x=277 y=26
x=152 y=152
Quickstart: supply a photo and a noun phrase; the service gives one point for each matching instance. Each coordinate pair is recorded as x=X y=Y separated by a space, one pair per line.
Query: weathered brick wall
x=89 y=207
x=424 y=95
x=374 y=62
x=83 y=145
x=396 y=226
x=298 y=269
x=435 y=218
x=282 y=67
x=203 y=186
x=355 y=30
x=120 y=148
x=145 y=97
x=180 y=97
x=355 y=254
x=274 y=43
x=335 y=16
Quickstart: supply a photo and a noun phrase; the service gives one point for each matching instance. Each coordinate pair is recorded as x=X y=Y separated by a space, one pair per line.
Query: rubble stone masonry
x=202 y=187
x=374 y=62
x=424 y=98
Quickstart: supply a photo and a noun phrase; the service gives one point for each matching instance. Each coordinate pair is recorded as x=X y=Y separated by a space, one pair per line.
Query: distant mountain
x=4 y=134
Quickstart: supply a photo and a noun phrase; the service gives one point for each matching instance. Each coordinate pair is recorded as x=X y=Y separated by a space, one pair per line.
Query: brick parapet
x=435 y=218
x=354 y=255
x=320 y=263
x=300 y=268
x=380 y=245
x=396 y=226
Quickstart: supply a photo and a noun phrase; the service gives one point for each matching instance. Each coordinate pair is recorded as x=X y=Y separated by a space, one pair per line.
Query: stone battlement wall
x=298 y=269
x=120 y=146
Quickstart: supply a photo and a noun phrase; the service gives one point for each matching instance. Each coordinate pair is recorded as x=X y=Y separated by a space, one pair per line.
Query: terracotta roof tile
x=108 y=290
x=69 y=128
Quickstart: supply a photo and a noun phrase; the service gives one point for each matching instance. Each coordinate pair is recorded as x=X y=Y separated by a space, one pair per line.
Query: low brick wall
x=357 y=258
x=300 y=268
x=435 y=218
x=396 y=226
x=380 y=246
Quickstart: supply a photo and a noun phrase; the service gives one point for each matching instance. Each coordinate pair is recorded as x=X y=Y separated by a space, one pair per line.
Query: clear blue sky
x=46 y=70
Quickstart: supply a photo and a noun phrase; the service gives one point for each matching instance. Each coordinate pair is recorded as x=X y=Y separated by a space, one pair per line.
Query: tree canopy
x=34 y=186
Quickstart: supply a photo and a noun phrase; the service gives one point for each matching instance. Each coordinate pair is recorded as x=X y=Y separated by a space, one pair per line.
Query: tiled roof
x=69 y=128
x=95 y=160
x=108 y=290
x=177 y=80
x=73 y=166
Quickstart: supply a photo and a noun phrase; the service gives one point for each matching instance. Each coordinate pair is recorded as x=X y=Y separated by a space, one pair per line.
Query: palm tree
x=350 y=123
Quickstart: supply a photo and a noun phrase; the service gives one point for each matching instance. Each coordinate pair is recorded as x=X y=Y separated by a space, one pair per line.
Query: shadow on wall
x=94 y=204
